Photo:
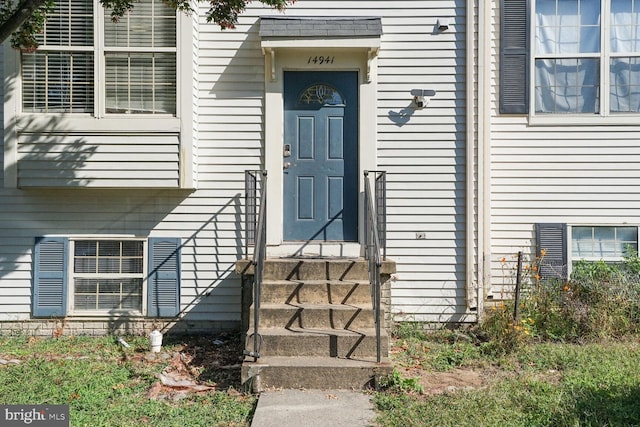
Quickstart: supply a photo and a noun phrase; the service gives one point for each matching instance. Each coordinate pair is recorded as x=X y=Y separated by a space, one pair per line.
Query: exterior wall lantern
x=421 y=97
x=442 y=24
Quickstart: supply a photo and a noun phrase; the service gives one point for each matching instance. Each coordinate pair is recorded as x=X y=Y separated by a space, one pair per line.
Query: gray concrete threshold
x=331 y=408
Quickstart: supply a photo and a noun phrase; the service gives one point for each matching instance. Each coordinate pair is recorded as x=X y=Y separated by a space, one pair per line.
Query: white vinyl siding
x=424 y=156
x=99 y=161
x=423 y=152
x=550 y=174
x=208 y=223
x=559 y=173
x=1 y=103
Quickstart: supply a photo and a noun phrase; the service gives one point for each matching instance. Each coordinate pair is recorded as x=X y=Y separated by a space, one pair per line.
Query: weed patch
x=600 y=301
x=542 y=384
x=567 y=357
x=108 y=385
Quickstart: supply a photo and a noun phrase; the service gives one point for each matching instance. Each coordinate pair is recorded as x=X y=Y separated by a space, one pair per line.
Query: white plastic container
x=155 y=341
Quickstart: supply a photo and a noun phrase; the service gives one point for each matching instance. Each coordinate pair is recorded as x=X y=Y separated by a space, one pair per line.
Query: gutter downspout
x=473 y=300
x=484 y=153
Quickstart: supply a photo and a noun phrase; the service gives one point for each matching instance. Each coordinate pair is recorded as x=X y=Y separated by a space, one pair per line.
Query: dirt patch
x=200 y=365
x=467 y=379
x=449 y=381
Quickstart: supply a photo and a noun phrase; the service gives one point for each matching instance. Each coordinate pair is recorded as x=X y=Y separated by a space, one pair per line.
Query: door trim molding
x=298 y=59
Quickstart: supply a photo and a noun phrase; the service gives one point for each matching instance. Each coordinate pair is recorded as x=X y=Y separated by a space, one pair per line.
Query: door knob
x=286 y=165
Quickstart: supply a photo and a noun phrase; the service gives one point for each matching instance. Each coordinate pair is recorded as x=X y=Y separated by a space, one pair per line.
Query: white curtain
x=625 y=69
x=565 y=84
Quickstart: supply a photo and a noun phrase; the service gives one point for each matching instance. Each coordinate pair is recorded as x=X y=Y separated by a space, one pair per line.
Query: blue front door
x=320 y=156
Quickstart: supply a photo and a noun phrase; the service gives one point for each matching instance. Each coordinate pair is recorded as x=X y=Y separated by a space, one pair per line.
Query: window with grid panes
x=92 y=65
x=609 y=243
x=570 y=57
x=587 y=56
x=108 y=275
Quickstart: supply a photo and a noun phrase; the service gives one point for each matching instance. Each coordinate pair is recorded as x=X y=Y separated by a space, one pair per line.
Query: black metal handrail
x=251 y=181
x=256 y=235
x=373 y=247
x=381 y=209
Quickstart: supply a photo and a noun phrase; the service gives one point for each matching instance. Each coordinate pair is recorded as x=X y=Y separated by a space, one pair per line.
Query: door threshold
x=315 y=250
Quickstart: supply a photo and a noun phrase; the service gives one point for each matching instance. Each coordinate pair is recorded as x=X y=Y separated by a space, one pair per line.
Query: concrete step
x=320 y=342
x=315 y=268
x=316 y=291
x=318 y=316
x=313 y=373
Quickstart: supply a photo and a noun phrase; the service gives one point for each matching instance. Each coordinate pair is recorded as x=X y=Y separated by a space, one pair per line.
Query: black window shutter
x=514 y=56
x=552 y=238
x=50 y=277
x=163 y=284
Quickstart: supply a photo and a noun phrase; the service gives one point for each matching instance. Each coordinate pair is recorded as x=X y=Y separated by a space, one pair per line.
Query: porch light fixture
x=442 y=24
x=421 y=97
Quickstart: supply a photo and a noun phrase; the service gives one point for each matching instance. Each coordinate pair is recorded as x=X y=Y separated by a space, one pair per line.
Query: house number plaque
x=320 y=59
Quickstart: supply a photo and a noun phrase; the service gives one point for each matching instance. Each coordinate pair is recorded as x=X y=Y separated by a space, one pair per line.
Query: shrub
x=501 y=332
x=606 y=296
x=601 y=300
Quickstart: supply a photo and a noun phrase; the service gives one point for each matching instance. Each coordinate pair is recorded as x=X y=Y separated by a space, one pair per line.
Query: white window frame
x=72 y=311
x=602 y=117
x=118 y=126
x=17 y=120
x=104 y=50
x=571 y=259
x=100 y=52
x=49 y=47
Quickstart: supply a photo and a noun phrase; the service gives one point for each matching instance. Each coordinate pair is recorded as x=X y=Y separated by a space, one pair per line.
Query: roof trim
x=318 y=26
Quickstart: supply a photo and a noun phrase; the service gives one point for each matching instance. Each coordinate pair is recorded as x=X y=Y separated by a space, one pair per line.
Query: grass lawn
x=441 y=379
x=106 y=384
x=541 y=384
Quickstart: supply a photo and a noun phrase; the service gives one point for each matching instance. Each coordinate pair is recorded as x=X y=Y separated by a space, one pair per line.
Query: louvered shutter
x=50 y=277
x=163 y=284
x=514 y=57
x=553 y=239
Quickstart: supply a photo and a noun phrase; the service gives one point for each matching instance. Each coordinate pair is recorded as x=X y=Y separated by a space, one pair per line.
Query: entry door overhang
x=289 y=32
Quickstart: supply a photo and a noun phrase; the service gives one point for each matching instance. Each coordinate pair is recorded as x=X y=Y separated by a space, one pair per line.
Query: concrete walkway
x=331 y=408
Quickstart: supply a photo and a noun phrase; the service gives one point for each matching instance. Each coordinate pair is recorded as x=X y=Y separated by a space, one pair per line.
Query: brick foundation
x=96 y=327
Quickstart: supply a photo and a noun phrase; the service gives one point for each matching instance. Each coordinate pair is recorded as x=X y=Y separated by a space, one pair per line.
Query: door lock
x=287 y=150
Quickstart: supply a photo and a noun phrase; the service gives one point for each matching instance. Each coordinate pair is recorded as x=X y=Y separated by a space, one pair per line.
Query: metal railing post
x=373 y=247
x=256 y=229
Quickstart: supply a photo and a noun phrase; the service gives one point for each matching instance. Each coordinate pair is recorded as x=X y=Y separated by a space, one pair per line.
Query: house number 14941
x=321 y=60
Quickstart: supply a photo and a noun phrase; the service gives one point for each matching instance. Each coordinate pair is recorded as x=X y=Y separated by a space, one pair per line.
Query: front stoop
x=316 y=326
